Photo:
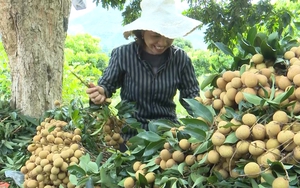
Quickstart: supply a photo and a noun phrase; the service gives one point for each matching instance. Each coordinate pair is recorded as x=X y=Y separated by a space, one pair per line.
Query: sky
x=90 y=6
x=196 y=37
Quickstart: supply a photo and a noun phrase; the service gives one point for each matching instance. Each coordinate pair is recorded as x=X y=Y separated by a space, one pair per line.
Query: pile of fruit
x=255 y=130
x=53 y=150
x=246 y=134
x=267 y=131
x=112 y=132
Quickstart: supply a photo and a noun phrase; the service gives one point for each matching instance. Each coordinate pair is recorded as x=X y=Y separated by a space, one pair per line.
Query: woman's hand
x=96 y=94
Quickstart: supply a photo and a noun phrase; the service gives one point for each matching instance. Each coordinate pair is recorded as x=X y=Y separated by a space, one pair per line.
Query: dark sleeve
x=112 y=77
x=189 y=85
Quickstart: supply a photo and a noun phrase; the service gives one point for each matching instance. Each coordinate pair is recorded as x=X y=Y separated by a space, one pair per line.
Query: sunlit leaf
x=200 y=110
x=283 y=96
x=267 y=51
x=268 y=177
x=196 y=123
x=224 y=48
x=153 y=147
x=76 y=170
x=160 y=124
x=231 y=138
x=149 y=136
x=251 y=35
x=208 y=80
x=253 y=99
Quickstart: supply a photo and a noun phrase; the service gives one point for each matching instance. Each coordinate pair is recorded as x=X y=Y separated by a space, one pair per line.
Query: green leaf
x=200 y=110
x=149 y=136
x=267 y=51
x=253 y=183
x=142 y=180
x=99 y=159
x=248 y=48
x=224 y=48
x=89 y=183
x=160 y=124
x=181 y=168
x=260 y=37
x=76 y=170
x=231 y=138
x=92 y=167
x=268 y=177
x=105 y=178
x=199 y=181
x=273 y=39
x=208 y=80
x=196 y=123
x=203 y=147
x=73 y=179
x=251 y=35
x=153 y=147
x=195 y=132
x=253 y=99
x=283 y=96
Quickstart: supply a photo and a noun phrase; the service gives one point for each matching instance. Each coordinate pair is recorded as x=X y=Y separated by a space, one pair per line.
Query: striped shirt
x=152 y=93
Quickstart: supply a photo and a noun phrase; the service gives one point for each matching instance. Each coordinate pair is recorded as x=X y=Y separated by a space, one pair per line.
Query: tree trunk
x=33 y=35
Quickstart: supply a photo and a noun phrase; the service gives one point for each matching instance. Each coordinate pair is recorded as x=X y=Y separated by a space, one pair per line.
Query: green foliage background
x=4 y=75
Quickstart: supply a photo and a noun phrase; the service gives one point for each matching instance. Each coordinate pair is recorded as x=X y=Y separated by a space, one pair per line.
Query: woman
x=150 y=70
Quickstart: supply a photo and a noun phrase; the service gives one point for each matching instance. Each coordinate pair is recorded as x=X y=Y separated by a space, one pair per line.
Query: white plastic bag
x=17 y=176
x=79 y=4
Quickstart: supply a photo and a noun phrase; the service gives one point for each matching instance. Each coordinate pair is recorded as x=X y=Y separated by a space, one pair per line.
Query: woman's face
x=155 y=43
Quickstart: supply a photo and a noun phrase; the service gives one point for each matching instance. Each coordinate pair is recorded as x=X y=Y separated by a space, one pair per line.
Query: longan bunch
x=112 y=132
x=52 y=150
x=273 y=140
x=139 y=168
x=257 y=79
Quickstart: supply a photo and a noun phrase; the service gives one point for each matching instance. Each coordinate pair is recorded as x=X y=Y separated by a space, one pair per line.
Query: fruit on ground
x=219 y=138
x=170 y=162
x=284 y=136
x=242 y=132
x=296 y=153
x=265 y=157
x=178 y=156
x=129 y=182
x=280 y=116
x=242 y=147
x=252 y=170
x=249 y=119
x=184 y=144
x=280 y=182
x=165 y=154
x=257 y=58
x=136 y=165
x=190 y=159
x=257 y=147
x=226 y=151
x=258 y=131
x=213 y=157
x=296 y=138
x=273 y=128
x=150 y=177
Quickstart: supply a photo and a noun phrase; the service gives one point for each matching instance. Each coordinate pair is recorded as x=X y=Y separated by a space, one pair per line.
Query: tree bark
x=33 y=34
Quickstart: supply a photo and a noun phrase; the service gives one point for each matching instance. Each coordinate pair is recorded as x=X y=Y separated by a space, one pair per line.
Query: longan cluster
x=276 y=140
x=52 y=151
x=257 y=80
x=169 y=157
x=139 y=168
x=112 y=132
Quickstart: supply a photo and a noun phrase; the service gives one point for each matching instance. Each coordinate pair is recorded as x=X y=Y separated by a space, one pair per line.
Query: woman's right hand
x=96 y=94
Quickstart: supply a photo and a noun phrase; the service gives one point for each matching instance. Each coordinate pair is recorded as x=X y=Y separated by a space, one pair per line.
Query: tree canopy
x=225 y=18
